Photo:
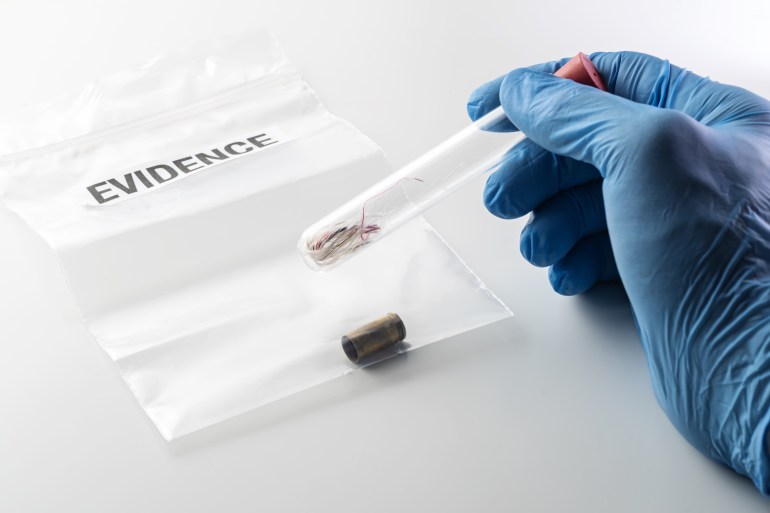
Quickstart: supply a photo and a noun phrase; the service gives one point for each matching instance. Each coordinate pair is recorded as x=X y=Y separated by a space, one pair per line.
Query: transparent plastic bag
x=174 y=193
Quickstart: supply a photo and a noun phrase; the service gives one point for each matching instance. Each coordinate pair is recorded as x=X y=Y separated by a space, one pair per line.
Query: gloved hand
x=664 y=184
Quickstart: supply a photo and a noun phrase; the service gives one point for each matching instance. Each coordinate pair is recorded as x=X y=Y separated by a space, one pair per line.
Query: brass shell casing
x=373 y=337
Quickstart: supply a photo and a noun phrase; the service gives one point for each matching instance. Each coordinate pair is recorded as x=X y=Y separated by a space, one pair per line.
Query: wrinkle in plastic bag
x=192 y=285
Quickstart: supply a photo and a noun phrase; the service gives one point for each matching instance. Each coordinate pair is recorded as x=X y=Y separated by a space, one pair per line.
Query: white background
x=549 y=411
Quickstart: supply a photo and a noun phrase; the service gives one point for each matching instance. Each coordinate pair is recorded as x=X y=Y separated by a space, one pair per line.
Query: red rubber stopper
x=581 y=70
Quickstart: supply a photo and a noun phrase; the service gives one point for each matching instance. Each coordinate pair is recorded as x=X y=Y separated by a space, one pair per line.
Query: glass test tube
x=422 y=183
x=408 y=192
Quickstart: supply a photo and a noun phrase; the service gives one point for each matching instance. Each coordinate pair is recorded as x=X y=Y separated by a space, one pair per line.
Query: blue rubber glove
x=665 y=185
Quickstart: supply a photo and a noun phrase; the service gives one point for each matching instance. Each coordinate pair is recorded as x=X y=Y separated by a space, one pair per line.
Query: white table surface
x=549 y=411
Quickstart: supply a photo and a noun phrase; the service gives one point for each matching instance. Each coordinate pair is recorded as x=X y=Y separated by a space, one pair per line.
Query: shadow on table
x=607 y=304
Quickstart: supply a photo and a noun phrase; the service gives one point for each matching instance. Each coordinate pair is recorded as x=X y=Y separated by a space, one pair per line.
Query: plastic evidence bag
x=173 y=194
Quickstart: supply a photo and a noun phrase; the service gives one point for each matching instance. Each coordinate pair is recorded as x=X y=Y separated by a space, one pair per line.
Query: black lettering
x=112 y=188
x=206 y=158
x=99 y=194
x=147 y=183
x=261 y=140
x=172 y=173
x=130 y=186
x=187 y=168
x=229 y=148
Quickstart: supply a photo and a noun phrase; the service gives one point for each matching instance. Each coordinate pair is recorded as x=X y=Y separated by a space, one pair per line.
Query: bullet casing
x=373 y=337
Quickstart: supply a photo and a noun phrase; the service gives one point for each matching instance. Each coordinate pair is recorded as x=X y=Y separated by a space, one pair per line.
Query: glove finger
x=652 y=81
x=648 y=80
x=557 y=225
x=486 y=98
x=635 y=76
x=642 y=78
x=529 y=176
x=589 y=262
